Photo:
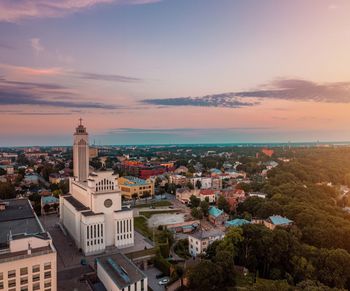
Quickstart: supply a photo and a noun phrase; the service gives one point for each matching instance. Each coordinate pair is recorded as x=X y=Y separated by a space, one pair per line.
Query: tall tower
x=81 y=153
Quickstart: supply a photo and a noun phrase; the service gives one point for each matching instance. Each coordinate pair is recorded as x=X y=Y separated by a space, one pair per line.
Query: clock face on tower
x=108 y=203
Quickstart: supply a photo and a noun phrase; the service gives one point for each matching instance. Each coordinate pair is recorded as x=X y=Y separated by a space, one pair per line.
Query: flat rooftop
x=18 y=218
x=121 y=270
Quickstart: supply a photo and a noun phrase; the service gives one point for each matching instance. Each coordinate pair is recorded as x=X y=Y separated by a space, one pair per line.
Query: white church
x=92 y=212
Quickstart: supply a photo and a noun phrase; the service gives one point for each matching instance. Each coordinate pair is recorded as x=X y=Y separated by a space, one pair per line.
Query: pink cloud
x=32 y=71
x=14 y=11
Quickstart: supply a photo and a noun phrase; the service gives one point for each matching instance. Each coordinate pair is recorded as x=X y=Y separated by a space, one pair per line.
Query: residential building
x=92 y=212
x=277 y=220
x=28 y=258
x=131 y=185
x=217 y=216
x=181 y=170
x=93 y=153
x=178 y=180
x=118 y=273
x=184 y=194
x=199 y=241
x=206 y=182
x=208 y=194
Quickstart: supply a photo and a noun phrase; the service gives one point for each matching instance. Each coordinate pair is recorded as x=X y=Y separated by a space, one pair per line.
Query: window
x=24 y=271
x=12 y=283
x=36 y=277
x=36 y=268
x=24 y=280
x=24 y=288
x=142 y=285
x=36 y=286
x=47 y=284
x=47 y=275
x=47 y=266
x=1 y=285
x=1 y=276
x=11 y=274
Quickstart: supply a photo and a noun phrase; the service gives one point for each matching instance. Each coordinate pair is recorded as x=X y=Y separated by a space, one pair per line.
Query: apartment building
x=27 y=255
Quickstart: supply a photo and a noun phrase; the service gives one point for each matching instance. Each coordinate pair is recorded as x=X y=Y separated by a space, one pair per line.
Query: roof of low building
x=49 y=199
x=75 y=203
x=121 y=270
x=213 y=211
x=134 y=181
x=236 y=222
x=202 y=234
x=18 y=218
x=279 y=220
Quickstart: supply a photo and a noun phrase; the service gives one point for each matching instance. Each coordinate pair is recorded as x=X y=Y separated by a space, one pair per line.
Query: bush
x=162 y=264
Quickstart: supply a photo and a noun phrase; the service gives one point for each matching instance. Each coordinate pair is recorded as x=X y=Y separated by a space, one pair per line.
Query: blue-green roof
x=48 y=199
x=213 y=211
x=134 y=181
x=236 y=222
x=279 y=220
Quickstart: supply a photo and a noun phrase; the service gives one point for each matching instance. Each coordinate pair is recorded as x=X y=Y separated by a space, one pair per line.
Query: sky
x=174 y=71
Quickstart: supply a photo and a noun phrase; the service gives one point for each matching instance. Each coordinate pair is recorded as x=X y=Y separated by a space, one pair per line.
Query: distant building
x=267 y=152
x=277 y=220
x=51 y=201
x=257 y=194
x=118 y=273
x=184 y=194
x=206 y=182
x=131 y=185
x=199 y=241
x=178 y=180
x=236 y=222
x=28 y=258
x=181 y=170
x=209 y=194
x=217 y=216
x=93 y=153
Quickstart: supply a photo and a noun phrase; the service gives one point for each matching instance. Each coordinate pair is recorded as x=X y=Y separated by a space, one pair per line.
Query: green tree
x=198 y=184
x=204 y=205
x=223 y=204
x=194 y=201
x=7 y=190
x=197 y=213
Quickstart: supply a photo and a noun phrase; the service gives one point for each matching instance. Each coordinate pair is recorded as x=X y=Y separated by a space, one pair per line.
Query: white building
x=27 y=255
x=118 y=273
x=206 y=182
x=92 y=212
x=199 y=241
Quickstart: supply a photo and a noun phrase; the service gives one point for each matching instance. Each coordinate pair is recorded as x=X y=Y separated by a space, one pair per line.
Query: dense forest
x=313 y=254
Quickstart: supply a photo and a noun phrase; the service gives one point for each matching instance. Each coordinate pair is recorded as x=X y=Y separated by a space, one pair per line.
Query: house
x=184 y=194
x=277 y=220
x=236 y=222
x=181 y=170
x=217 y=216
x=52 y=203
x=178 y=180
x=206 y=182
x=199 y=241
x=210 y=194
x=215 y=172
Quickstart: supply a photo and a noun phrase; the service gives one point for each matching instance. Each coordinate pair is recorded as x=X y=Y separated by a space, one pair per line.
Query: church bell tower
x=81 y=153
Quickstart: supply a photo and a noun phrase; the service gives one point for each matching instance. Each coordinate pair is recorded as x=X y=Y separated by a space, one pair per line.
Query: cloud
x=282 y=89
x=6 y=46
x=36 y=45
x=107 y=77
x=219 y=100
x=44 y=94
x=15 y=11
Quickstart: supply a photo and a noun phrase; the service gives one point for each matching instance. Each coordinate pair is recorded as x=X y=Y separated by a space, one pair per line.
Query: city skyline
x=174 y=71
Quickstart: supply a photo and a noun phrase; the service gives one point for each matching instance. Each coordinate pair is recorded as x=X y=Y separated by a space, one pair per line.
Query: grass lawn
x=155 y=204
x=140 y=224
x=148 y=214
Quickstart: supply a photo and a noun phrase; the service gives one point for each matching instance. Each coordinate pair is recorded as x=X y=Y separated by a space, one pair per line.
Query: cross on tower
x=80 y=120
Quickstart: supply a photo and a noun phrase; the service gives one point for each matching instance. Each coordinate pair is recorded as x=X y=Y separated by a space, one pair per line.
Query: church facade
x=92 y=212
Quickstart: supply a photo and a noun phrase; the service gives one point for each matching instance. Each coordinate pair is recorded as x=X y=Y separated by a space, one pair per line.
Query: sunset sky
x=174 y=71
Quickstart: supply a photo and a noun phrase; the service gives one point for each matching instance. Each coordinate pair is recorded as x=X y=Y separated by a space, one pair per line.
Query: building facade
x=199 y=241
x=135 y=186
x=92 y=212
x=28 y=258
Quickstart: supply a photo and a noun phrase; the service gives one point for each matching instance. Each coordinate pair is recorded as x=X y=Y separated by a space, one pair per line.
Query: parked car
x=164 y=281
